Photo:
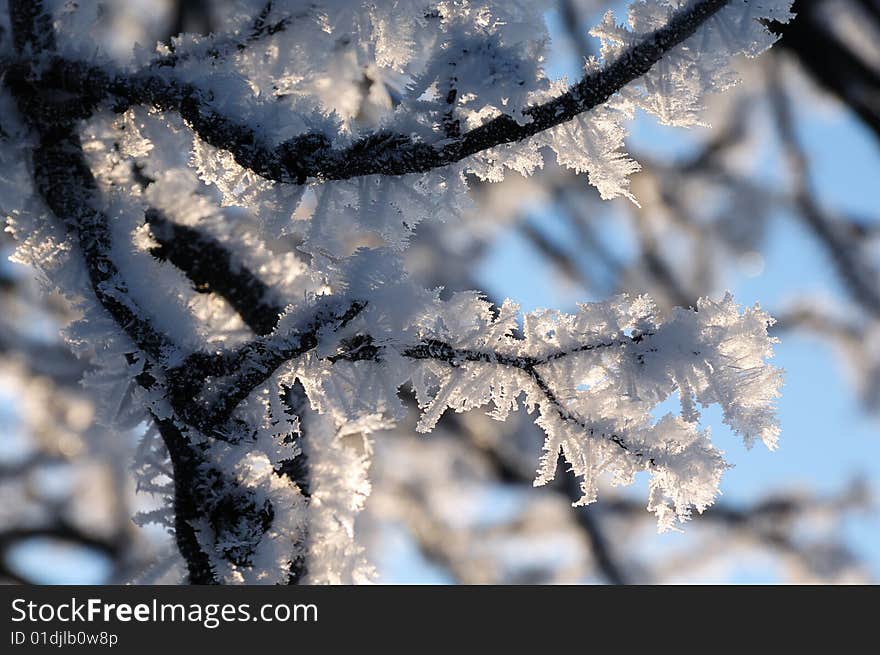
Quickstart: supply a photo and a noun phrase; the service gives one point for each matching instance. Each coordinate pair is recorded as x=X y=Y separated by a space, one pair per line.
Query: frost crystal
x=227 y=215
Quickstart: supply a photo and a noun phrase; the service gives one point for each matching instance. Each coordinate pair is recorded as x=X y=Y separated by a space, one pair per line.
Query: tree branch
x=438 y=350
x=859 y=276
x=66 y=184
x=312 y=155
x=211 y=268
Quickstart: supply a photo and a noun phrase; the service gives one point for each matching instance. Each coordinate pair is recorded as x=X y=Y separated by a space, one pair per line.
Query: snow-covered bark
x=231 y=229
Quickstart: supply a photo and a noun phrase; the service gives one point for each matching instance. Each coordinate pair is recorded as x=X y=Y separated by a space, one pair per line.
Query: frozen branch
x=313 y=156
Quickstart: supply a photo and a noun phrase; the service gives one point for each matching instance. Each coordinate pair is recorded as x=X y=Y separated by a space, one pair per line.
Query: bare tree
x=228 y=218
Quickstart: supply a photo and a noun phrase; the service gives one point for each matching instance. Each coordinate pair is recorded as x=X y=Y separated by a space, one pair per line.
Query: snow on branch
x=596 y=379
x=136 y=229
x=505 y=111
x=312 y=155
